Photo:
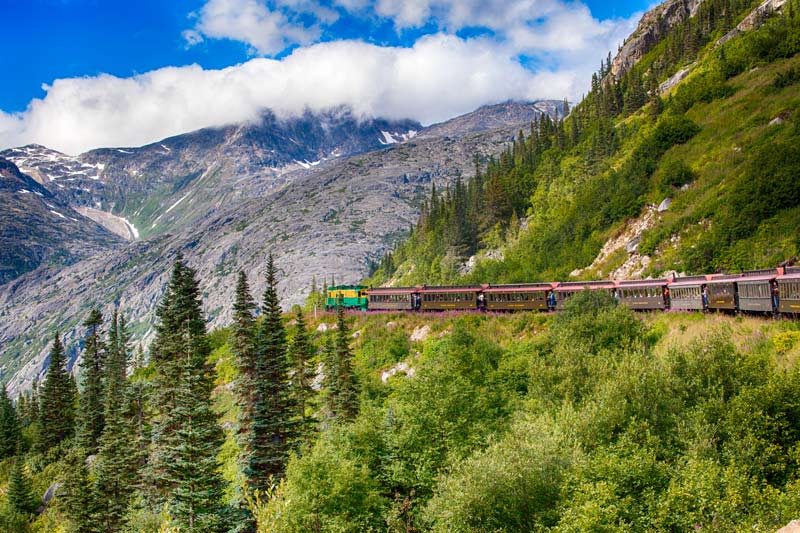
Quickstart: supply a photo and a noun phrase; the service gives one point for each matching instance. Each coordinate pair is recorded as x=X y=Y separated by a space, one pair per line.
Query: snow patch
x=24 y=191
x=120 y=150
x=173 y=206
x=165 y=148
x=387 y=138
x=59 y=214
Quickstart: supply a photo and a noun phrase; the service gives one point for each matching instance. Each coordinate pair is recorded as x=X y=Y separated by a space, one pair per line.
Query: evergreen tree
x=244 y=352
x=301 y=352
x=117 y=459
x=331 y=380
x=80 y=500
x=273 y=425
x=20 y=491
x=346 y=399
x=57 y=403
x=92 y=366
x=10 y=438
x=182 y=468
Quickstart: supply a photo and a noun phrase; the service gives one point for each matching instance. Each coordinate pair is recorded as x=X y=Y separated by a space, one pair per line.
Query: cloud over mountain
x=437 y=76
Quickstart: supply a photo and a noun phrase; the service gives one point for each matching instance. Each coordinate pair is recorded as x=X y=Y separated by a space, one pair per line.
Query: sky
x=82 y=74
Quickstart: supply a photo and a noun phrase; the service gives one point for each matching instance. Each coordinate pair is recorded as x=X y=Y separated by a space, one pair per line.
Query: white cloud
x=438 y=77
x=250 y=21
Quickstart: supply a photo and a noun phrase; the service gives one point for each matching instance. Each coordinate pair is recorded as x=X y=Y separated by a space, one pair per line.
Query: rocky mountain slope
x=38 y=228
x=170 y=184
x=331 y=218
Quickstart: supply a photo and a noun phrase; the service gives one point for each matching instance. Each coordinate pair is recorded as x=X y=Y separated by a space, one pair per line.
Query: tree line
x=140 y=444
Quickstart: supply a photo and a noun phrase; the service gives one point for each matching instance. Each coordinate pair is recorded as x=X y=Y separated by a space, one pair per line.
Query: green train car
x=348 y=296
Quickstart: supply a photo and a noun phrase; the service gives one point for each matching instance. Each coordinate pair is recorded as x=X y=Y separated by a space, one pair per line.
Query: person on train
x=705 y=297
x=551 y=300
x=775 y=297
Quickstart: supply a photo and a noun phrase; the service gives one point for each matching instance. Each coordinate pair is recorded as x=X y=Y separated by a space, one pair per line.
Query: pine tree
x=346 y=399
x=331 y=380
x=182 y=468
x=92 y=366
x=273 y=427
x=10 y=438
x=301 y=352
x=244 y=352
x=57 y=400
x=117 y=459
x=20 y=491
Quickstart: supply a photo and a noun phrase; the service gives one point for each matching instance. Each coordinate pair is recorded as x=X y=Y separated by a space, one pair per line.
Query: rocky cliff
x=38 y=228
x=653 y=26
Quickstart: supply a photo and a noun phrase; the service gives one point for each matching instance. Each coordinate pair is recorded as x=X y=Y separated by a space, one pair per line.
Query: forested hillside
x=707 y=132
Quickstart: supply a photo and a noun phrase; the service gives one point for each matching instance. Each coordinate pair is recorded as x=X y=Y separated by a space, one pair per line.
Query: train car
x=686 y=294
x=564 y=290
x=394 y=299
x=529 y=296
x=789 y=291
x=755 y=290
x=643 y=294
x=449 y=298
x=348 y=296
x=721 y=291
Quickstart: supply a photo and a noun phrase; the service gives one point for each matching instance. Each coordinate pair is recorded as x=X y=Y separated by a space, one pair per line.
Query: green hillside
x=723 y=145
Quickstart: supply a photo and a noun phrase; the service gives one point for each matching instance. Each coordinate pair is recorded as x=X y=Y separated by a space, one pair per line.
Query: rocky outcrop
x=653 y=26
x=753 y=20
x=673 y=80
x=38 y=228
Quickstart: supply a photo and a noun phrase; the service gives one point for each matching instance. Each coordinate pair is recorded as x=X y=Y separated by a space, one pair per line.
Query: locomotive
x=770 y=291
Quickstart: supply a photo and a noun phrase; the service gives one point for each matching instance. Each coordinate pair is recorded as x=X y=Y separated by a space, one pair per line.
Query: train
x=770 y=292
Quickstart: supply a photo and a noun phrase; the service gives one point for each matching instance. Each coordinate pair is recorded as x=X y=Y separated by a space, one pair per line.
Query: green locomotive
x=348 y=296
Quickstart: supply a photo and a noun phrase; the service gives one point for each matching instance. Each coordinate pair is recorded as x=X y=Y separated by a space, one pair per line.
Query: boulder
x=420 y=333
x=791 y=527
x=664 y=205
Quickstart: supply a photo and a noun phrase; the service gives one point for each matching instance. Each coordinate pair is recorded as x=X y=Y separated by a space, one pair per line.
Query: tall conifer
x=244 y=350
x=57 y=400
x=9 y=426
x=92 y=366
x=117 y=460
x=301 y=352
x=183 y=466
x=346 y=400
x=273 y=427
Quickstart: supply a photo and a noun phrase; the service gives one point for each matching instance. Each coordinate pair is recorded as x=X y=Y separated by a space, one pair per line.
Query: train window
x=790 y=290
x=754 y=290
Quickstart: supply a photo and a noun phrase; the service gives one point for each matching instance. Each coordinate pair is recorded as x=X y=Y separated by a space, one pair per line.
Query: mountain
x=683 y=158
x=170 y=184
x=495 y=116
x=38 y=228
x=323 y=218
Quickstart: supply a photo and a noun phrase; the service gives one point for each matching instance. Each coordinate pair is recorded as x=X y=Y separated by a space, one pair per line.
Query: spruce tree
x=20 y=496
x=301 y=352
x=331 y=380
x=80 y=499
x=243 y=348
x=183 y=466
x=9 y=426
x=92 y=366
x=346 y=400
x=117 y=459
x=273 y=427
x=56 y=400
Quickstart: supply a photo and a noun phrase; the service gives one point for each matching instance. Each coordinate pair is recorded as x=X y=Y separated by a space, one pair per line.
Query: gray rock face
x=653 y=26
x=673 y=80
x=753 y=20
x=38 y=228
x=168 y=185
x=495 y=116
x=331 y=218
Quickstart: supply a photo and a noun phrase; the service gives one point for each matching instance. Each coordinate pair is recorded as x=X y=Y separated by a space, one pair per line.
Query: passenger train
x=772 y=291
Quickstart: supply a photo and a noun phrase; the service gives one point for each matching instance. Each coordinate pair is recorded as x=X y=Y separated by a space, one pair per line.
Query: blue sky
x=111 y=61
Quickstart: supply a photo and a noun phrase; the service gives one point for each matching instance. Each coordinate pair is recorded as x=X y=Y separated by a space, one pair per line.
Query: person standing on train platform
x=705 y=297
